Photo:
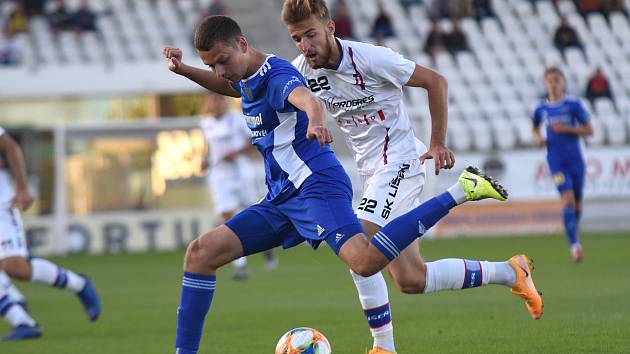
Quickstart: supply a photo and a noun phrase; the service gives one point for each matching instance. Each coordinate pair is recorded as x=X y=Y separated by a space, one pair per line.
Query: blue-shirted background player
x=566 y=121
x=309 y=193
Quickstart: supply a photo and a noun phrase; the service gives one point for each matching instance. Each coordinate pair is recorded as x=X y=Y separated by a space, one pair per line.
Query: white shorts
x=391 y=191
x=231 y=189
x=12 y=240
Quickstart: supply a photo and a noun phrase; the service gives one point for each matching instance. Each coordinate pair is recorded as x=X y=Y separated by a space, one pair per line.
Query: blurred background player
x=231 y=179
x=14 y=257
x=566 y=121
x=361 y=86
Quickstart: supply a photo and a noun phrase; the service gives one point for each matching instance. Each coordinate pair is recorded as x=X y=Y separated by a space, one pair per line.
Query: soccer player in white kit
x=361 y=87
x=14 y=256
x=231 y=179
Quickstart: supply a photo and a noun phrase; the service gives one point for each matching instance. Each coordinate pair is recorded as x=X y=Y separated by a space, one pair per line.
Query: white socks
x=455 y=274
x=240 y=262
x=46 y=272
x=375 y=303
x=12 y=312
x=457 y=192
x=14 y=294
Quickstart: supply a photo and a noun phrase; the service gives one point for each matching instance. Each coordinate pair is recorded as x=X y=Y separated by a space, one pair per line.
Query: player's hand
x=442 y=155
x=560 y=128
x=319 y=132
x=174 y=59
x=22 y=199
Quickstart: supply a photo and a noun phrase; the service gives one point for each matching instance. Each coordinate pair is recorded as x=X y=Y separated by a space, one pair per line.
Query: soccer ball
x=303 y=340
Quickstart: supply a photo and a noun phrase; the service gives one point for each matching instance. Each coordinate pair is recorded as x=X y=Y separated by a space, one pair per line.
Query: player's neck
x=335 y=54
x=553 y=99
x=257 y=58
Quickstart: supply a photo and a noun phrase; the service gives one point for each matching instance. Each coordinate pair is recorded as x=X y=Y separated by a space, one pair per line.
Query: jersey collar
x=340 y=53
x=265 y=66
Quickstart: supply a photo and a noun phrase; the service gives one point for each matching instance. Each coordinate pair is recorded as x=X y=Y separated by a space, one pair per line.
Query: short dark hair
x=214 y=29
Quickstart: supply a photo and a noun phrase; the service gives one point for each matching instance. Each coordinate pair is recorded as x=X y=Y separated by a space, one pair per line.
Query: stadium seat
x=482 y=133
x=503 y=133
x=605 y=107
x=523 y=127
x=599 y=133
x=458 y=135
x=616 y=131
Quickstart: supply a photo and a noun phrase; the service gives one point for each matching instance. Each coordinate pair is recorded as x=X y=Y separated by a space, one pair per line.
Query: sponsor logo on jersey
x=349 y=104
x=253 y=123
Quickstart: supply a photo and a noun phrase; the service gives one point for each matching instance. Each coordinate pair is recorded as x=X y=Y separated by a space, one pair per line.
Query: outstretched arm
x=205 y=78
x=437 y=88
x=22 y=198
x=304 y=100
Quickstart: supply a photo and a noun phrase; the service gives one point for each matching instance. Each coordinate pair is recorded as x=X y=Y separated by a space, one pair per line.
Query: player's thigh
x=391 y=192
x=12 y=240
x=212 y=250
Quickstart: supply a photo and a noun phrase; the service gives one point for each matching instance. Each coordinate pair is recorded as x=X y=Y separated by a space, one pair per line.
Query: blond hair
x=296 y=11
x=554 y=70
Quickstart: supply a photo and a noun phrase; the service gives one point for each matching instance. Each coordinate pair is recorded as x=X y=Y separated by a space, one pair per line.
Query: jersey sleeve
x=391 y=66
x=281 y=83
x=537 y=116
x=236 y=86
x=580 y=112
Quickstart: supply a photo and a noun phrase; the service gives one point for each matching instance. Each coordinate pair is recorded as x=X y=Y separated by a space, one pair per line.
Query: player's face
x=314 y=39
x=226 y=60
x=555 y=84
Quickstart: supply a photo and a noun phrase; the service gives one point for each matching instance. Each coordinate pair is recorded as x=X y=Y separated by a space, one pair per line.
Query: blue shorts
x=320 y=210
x=569 y=177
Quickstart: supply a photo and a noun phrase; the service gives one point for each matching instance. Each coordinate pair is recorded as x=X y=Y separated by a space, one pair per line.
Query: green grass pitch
x=587 y=306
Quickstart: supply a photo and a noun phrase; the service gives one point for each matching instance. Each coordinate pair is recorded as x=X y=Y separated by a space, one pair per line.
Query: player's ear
x=242 y=44
x=330 y=26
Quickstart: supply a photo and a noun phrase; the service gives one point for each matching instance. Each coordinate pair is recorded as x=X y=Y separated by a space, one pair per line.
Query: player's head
x=312 y=30
x=222 y=46
x=215 y=105
x=555 y=82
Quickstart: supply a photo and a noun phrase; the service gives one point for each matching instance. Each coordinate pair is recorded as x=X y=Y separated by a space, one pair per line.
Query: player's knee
x=364 y=269
x=17 y=269
x=197 y=258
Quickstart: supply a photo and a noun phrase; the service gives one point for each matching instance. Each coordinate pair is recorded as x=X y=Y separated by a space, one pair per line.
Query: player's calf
x=17 y=268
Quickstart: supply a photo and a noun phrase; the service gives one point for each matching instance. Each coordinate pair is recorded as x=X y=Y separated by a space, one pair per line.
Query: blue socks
x=570 y=224
x=400 y=232
x=197 y=292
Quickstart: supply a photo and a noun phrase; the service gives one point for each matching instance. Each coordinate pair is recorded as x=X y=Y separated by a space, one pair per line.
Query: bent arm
x=437 y=88
x=208 y=80
x=16 y=162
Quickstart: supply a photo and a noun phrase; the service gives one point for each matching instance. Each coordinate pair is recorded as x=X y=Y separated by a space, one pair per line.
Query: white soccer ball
x=303 y=340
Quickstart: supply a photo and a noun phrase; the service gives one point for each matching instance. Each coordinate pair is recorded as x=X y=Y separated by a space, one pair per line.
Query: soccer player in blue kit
x=566 y=121
x=309 y=193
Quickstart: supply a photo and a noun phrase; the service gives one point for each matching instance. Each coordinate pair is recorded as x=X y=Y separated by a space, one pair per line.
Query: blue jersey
x=279 y=129
x=569 y=111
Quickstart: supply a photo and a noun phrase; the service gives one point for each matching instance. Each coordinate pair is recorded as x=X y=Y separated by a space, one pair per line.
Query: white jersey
x=6 y=185
x=364 y=96
x=224 y=135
